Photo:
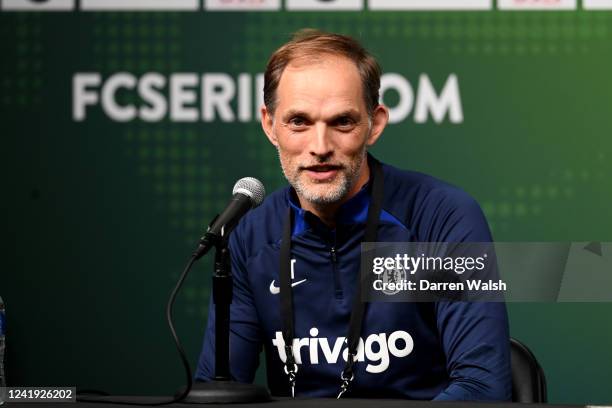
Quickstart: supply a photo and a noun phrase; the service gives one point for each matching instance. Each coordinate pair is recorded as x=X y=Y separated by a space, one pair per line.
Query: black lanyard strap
x=359 y=306
x=286 y=300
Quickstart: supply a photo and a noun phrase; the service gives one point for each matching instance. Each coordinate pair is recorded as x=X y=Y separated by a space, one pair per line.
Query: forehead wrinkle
x=321 y=83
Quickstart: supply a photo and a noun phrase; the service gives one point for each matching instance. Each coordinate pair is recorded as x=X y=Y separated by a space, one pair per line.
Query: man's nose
x=321 y=144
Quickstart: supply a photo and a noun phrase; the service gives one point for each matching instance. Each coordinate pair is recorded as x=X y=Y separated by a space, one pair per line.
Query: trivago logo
x=218 y=96
x=376 y=350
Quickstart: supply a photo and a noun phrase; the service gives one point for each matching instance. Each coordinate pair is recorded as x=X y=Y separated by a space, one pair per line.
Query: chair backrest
x=528 y=380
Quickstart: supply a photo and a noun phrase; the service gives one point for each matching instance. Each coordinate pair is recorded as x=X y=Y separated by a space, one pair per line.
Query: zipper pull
x=333 y=254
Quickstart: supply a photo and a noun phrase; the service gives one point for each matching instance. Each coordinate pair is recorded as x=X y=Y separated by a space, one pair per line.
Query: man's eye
x=345 y=122
x=297 y=122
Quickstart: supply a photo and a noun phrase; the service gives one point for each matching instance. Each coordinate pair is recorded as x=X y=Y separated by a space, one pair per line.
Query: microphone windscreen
x=252 y=188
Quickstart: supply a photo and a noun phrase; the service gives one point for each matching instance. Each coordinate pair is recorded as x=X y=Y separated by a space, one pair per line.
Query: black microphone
x=248 y=193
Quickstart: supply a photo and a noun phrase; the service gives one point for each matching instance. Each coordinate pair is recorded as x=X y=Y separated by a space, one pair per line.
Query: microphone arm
x=223 y=224
x=208 y=241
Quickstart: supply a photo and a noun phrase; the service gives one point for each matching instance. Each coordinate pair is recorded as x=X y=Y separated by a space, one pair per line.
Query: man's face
x=321 y=129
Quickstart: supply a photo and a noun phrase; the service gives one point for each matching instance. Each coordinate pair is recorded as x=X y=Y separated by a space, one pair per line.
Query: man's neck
x=327 y=212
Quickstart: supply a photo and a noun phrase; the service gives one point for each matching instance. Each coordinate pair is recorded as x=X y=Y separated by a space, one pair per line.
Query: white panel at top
x=597 y=4
x=431 y=4
x=30 y=5
x=328 y=5
x=536 y=4
x=127 y=5
x=238 y=5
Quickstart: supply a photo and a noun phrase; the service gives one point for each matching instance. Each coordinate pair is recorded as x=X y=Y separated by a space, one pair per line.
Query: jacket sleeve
x=474 y=335
x=477 y=346
x=245 y=334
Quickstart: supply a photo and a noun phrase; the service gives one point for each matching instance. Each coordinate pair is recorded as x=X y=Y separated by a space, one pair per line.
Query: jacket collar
x=354 y=211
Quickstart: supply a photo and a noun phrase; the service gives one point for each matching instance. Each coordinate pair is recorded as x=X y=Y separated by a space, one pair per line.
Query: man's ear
x=267 y=124
x=380 y=118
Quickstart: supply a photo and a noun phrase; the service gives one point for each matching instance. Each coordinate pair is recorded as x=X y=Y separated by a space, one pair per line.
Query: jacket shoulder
x=429 y=206
x=261 y=226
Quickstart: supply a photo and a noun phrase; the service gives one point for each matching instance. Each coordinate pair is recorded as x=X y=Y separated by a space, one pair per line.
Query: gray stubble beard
x=349 y=179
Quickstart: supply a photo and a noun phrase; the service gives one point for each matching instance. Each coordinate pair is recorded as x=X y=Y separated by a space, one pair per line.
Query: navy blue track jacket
x=442 y=350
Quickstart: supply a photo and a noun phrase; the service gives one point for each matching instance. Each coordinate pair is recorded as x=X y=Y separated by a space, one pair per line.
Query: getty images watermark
x=485 y=271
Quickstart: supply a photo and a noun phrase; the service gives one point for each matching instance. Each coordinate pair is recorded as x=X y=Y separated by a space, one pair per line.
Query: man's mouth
x=322 y=171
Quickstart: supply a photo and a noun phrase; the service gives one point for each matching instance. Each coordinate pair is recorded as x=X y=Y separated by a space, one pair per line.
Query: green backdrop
x=102 y=215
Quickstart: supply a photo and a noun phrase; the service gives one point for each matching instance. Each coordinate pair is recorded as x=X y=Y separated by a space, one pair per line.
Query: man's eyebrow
x=351 y=113
x=293 y=113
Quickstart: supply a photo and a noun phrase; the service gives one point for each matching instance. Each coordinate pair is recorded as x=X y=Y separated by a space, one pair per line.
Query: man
x=322 y=113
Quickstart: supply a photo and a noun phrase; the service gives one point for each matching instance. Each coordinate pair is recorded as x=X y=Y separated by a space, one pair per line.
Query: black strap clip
x=291 y=368
x=348 y=375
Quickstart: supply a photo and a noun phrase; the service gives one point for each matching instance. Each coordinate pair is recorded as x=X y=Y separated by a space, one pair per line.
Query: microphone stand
x=222 y=389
